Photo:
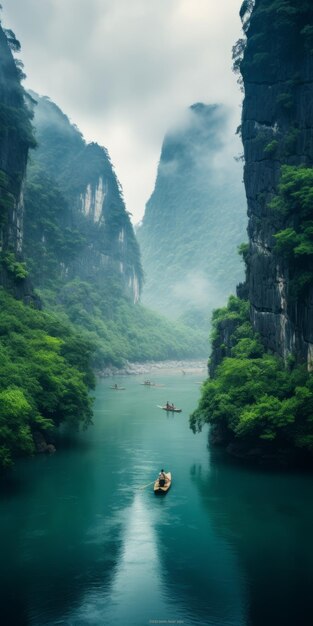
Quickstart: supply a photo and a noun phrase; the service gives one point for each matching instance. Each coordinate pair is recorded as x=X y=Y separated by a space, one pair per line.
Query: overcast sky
x=124 y=70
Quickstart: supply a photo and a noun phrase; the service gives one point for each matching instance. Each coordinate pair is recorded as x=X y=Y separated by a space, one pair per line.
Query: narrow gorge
x=70 y=272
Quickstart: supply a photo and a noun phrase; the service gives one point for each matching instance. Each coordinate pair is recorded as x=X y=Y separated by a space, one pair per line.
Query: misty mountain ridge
x=195 y=218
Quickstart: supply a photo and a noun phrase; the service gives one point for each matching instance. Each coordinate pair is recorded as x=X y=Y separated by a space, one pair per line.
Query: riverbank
x=137 y=369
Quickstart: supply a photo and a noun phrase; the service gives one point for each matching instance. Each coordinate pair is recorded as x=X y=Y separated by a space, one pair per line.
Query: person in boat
x=168 y=406
x=162 y=478
x=115 y=386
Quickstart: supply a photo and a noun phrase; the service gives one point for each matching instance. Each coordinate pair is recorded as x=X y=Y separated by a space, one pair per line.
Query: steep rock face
x=277 y=129
x=13 y=149
x=93 y=205
x=195 y=218
x=15 y=140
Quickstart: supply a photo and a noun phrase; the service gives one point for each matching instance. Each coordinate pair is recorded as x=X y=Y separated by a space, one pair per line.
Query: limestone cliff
x=15 y=140
x=277 y=129
x=100 y=238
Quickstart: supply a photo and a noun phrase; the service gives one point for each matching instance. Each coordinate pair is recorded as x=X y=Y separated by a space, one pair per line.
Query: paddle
x=153 y=481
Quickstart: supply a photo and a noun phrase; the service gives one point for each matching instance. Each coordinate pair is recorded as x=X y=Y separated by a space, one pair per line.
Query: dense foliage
x=294 y=202
x=44 y=376
x=99 y=307
x=253 y=395
x=86 y=264
x=50 y=245
x=120 y=330
x=45 y=371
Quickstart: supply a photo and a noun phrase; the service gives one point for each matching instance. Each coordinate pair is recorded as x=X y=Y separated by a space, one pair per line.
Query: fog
x=123 y=70
x=198 y=292
x=198 y=205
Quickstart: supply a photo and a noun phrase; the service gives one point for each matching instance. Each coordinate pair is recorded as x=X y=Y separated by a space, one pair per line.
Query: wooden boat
x=157 y=487
x=173 y=410
x=117 y=388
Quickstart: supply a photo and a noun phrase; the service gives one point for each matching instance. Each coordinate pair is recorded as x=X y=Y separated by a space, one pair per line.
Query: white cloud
x=124 y=70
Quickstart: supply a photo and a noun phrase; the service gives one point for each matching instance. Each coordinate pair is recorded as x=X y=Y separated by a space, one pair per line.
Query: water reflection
x=204 y=576
x=266 y=517
x=52 y=535
x=135 y=594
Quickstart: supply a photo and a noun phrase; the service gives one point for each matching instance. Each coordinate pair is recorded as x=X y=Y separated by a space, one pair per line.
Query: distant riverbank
x=192 y=366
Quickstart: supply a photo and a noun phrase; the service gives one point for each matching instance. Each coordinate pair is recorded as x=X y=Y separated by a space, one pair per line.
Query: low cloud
x=198 y=292
x=124 y=70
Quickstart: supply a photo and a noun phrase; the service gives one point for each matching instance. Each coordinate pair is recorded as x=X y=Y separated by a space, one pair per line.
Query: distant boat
x=157 y=488
x=117 y=388
x=170 y=410
x=147 y=383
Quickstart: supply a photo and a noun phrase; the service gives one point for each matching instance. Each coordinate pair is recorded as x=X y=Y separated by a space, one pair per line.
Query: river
x=82 y=544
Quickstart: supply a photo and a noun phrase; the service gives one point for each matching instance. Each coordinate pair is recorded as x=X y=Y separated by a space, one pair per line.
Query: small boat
x=148 y=383
x=117 y=388
x=170 y=410
x=157 y=488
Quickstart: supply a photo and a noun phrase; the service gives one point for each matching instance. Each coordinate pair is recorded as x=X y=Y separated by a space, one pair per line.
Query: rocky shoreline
x=137 y=369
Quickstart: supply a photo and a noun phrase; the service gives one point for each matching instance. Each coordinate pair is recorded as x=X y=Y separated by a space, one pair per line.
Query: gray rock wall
x=278 y=107
x=15 y=141
x=13 y=150
x=85 y=177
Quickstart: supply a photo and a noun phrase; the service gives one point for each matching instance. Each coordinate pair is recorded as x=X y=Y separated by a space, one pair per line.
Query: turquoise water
x=83 y=544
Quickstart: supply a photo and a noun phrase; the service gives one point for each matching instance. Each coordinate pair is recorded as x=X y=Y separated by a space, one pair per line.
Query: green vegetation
x=294 y=203
x=255 y=400
x=7 y=199
x=120 y=330
x=98 y=308
x=49 y=244
x=45 y=367
x=252 y=395
x=243 y=251
x=15 y=120
x=84 y=264
x=285 y=100
x=44 y=377
x=271 y=147
x=16 y=268
x=290 y=141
